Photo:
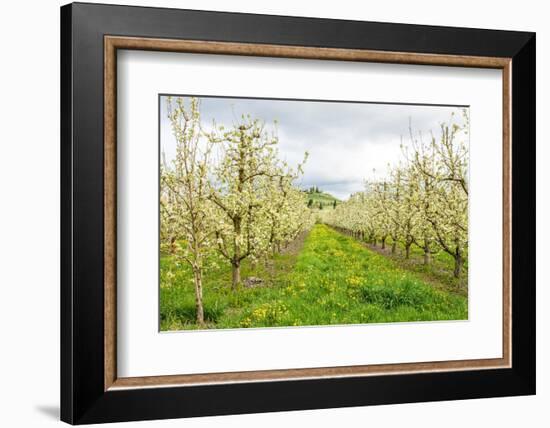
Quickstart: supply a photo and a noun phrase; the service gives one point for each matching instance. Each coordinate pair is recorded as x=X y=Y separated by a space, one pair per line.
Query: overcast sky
x=345 y=141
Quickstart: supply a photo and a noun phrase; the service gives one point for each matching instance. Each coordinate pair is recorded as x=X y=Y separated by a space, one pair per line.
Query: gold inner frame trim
x=113 y=43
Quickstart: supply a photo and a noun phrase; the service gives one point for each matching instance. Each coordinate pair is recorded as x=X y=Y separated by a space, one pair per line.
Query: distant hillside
x=316 y=198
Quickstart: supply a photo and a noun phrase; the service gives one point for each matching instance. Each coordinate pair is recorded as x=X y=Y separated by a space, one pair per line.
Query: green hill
x=316 y=198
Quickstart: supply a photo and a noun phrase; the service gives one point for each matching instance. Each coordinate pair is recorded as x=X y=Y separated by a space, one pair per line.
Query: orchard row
x=226 y=191
x=423 y=201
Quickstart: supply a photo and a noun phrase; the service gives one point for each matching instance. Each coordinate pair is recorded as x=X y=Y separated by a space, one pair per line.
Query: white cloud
x=346 y=141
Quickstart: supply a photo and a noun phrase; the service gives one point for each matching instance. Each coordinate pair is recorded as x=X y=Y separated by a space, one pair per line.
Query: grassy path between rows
x=333 y=280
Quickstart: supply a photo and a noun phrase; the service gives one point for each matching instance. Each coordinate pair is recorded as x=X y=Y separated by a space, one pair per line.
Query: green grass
x=439 y=272
x=334 y=279
x=323 y=198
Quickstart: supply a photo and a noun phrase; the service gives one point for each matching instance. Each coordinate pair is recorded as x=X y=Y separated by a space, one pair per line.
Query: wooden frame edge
x=109 y=198
x=308 y=373
x=112 y=43
x=507 y=213
x=301 y=52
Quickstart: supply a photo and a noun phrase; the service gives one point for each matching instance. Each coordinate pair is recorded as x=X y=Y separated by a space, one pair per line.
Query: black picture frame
x=83 y=398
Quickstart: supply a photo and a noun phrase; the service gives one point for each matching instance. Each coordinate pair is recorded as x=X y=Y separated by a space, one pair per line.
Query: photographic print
x=282 y=213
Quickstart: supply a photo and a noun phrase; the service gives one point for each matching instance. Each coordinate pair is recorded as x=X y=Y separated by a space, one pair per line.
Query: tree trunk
x=198 y=297
x=458 y=265
x=427 y=254
x=384 y=243
x=393 y=246
x=236 y=262
x=172 y=245
x=236 y=274
x=407 y=250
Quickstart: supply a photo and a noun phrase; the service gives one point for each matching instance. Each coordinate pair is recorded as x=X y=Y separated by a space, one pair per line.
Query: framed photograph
x=265 y=213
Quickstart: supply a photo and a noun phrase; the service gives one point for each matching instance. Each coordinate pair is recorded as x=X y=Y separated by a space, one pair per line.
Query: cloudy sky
x=346 y=141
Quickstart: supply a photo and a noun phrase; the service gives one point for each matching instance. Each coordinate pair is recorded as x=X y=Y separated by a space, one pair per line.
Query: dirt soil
x=294 y=247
